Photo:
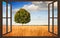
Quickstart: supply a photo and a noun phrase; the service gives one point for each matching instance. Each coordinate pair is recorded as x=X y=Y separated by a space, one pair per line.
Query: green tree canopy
x=22 y=16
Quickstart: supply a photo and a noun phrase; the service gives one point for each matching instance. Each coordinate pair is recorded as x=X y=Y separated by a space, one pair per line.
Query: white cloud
x=37 y=6
x=31 y=7
x=40 y=4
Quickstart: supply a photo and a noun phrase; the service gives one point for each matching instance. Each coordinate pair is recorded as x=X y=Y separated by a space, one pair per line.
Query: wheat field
x=30 y=30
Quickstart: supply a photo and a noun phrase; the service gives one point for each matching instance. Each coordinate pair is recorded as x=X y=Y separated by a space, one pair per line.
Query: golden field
x=26 y=30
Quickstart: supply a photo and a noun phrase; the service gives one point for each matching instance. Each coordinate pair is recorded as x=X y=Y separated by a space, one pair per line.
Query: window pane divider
x=6 y=17
x=54 y=17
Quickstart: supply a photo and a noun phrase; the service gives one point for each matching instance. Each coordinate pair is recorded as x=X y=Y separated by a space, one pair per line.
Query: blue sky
x=38 y=12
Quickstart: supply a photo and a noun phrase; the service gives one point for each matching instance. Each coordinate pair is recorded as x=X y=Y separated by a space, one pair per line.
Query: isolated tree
x=22 y=16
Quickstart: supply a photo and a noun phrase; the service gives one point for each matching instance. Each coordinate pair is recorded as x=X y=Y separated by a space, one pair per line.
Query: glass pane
x=55 y=15
x=4 y=9
x=8 y=10
x=50 y=25
x=55 y=9
x=8 y=25
x=50 y=10
x=55 y=26
x=4 y=26
x=50 y=18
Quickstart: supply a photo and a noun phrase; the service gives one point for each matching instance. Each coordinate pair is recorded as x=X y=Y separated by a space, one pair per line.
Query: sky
x=38 y=12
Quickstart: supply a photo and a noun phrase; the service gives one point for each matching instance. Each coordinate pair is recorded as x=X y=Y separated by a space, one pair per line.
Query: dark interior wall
x=26 y=0
x=0 y=18
x=58 y=17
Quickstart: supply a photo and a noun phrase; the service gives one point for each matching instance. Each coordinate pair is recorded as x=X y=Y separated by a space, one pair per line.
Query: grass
x=30 y=31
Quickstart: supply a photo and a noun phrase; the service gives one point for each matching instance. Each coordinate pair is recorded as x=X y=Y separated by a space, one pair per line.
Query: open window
x=52 y=17
x=6 y=18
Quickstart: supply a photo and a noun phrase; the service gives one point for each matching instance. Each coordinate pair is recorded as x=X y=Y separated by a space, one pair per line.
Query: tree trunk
x=22 y=24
